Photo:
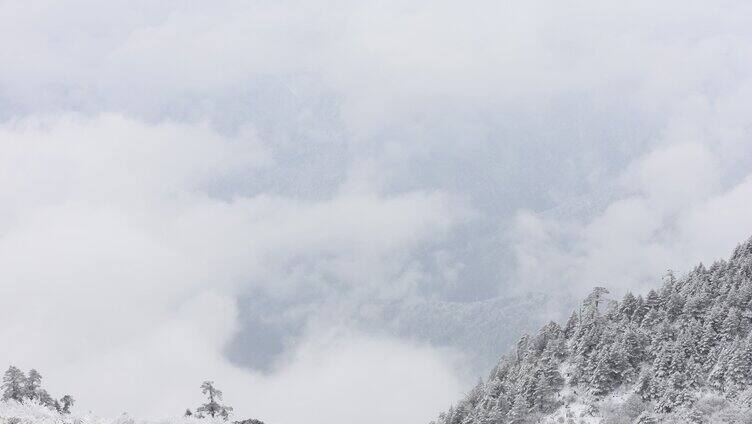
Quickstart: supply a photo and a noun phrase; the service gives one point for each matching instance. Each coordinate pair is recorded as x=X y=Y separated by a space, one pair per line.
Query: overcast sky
x=163 y=165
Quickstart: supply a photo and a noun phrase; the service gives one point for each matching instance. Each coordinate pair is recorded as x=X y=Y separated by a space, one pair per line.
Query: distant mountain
x=479 y=329
x=680 y=354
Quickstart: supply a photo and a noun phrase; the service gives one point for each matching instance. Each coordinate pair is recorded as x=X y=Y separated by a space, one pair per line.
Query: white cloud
x=674 y=214
x=674 y=176
x=166 y=158
x=121 y=269
x=351 y=378
x=679 y=202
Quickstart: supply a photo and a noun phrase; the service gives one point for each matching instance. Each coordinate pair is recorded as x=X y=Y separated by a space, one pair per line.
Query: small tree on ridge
x=213 y=408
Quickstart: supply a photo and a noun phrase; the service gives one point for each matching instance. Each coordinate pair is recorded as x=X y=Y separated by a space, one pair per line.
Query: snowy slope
x=682 y=353
x=29 y=413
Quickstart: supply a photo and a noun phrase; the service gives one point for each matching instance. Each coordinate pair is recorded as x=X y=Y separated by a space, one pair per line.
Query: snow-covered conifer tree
x=686 y=343
x=14 y=383
x=32 y=384
x=66 y=402
x=213 y=408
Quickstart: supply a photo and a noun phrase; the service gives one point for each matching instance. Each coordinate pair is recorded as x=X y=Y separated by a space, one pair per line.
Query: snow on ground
x=28 y=413
x=579 y=413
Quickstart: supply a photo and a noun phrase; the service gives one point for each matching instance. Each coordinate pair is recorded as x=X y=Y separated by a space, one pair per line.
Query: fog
x=169 y=170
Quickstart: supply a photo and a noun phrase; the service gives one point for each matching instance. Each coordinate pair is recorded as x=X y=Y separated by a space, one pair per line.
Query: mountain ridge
x=682 y=353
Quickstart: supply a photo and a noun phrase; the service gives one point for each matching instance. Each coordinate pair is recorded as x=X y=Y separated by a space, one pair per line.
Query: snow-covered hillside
x=681 y=354
x=31 y=413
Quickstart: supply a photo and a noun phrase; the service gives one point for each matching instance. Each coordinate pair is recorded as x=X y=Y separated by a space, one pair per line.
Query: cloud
x=513 y=106
x=351 y=378
x=331 y=376
x=674 y=213
x=122 y=269
x=662 y=208
x=172 y=160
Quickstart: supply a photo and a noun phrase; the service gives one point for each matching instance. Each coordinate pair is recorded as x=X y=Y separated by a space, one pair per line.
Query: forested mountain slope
x=682 y=353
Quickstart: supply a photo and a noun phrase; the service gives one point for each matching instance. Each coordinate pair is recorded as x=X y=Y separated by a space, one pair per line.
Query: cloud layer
x=162 y=164
x=128 y=269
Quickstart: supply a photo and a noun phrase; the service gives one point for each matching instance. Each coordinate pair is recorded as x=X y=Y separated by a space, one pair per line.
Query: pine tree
x=519 y=411
x=213 y=408
x=14 y=383
x=717 y=376
x=66 y=402
x=674 y=307
x=595 y=298
x=32 y=384
x=548 y=378
x=691 y=337
x=645 y=385
x=731 y=324
x=739 y=371
x=652 y=300
x=633 y=347
x=45 y=399
x=652 y=318
x=640 y=310
x=694 y=307
x=609 y=373
x=571 y=326
x=706 y=341
x=628 y=305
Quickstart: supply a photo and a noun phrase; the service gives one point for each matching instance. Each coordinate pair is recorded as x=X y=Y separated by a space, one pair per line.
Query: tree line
x=22 y=387
x=27 y=387
x=667 y=350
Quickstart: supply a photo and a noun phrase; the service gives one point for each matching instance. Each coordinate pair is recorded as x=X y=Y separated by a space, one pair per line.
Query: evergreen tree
x=19 y=387
x=66 y=402
x=640 y=310
x=692 y=337
x=571 y=327
x=519 y=411
x=739 y=370
x=694 y=307
x=633 y=347
x=652 y=300
x=595 y=298
x=32 y=384
x=14 y=384
x=548 y=379
x=45 y=399
x=674 y=306
x=628 y=305
x=213 y=408
x=652 y=318
x=645 y=385
x=731 y=324
x=609 y=373
x=717 y=375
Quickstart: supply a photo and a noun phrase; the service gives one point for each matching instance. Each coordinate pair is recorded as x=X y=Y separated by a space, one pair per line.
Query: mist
x=237 y=191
